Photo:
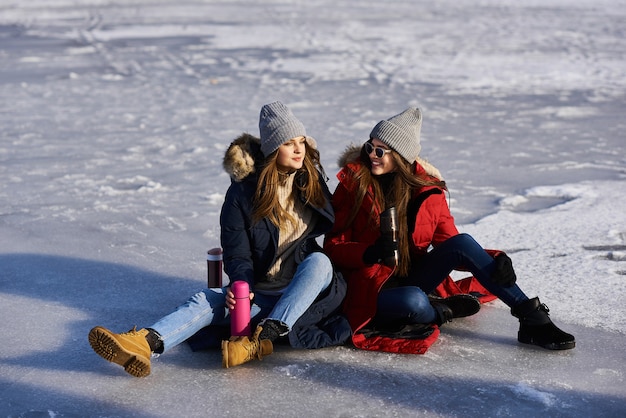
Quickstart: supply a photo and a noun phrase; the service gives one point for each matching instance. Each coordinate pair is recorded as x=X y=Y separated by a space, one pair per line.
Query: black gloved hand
x=503 y=274
x=381 y=249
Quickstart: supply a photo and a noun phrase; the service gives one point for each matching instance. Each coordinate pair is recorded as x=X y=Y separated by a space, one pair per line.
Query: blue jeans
x=406 y=303
x=460 y=251
x=208 y=307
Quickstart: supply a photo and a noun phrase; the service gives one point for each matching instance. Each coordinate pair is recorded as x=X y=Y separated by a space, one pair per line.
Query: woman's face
x=381 y=165
x=291 y=154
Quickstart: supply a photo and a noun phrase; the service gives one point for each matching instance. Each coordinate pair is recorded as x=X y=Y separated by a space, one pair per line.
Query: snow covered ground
x=113 y=122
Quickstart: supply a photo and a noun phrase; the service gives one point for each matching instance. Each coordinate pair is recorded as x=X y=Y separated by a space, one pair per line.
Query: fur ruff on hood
x=352 y=152
x=244 y=157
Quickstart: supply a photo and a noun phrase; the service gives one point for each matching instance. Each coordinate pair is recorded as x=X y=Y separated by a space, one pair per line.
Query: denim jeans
x=460 y=251
x=406 y=303
x=208 y=307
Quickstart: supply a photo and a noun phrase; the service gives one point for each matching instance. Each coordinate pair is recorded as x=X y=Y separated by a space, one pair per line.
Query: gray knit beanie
x=401 y=133
x=278 y=125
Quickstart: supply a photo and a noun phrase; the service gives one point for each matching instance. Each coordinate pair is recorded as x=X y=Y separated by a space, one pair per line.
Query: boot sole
x=107 y=347
x=566 y=345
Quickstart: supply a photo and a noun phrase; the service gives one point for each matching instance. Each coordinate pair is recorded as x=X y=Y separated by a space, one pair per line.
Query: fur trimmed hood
x=352 y=152
x=244 y=157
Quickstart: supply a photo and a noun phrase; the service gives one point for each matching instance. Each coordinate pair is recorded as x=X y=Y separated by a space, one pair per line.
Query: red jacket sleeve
x=446 y=227
x=433 y=223
x=338 y=243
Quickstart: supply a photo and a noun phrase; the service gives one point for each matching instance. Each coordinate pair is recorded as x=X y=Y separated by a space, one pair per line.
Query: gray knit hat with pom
x=277 y=125
x=402 y=133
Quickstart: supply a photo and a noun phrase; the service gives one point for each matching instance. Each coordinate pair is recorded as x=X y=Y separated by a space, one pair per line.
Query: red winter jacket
x=433 y=225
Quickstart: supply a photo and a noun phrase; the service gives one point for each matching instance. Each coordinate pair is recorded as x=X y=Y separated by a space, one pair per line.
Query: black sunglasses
x=378 y=151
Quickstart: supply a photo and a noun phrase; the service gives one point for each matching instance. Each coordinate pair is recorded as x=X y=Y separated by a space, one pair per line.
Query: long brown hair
x=266 y=204
x=399 y=194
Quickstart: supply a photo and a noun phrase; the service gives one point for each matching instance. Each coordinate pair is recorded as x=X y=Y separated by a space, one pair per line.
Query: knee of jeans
x=320 y=260
x=464 y=239
x=416 y=299
x=207 y=295
x=321 y=263
x=199 y=297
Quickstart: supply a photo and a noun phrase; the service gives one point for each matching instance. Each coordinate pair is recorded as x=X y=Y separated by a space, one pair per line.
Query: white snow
x=114 y=120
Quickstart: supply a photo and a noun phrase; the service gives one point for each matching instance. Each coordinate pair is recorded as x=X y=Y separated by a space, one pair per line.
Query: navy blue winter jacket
x=250 y=249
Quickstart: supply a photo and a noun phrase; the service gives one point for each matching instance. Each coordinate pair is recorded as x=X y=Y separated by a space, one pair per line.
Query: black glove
x=382 y=248
x=503 y=274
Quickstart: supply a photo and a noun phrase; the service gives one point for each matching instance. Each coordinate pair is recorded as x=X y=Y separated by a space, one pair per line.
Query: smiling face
x=291 y=154
x=381 y=165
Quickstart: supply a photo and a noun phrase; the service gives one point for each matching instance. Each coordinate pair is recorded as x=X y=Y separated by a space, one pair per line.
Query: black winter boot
x=537 y=328
x=456 y=306
x=272 y=329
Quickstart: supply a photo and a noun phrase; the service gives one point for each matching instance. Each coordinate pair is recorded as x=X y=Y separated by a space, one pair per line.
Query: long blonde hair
x=266 y=204
x=398 y=195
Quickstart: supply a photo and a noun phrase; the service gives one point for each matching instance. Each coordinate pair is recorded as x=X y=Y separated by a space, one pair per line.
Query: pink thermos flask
x=240 y=315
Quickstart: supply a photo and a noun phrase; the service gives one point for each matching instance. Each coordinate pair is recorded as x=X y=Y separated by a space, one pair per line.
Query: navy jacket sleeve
x=235 y=241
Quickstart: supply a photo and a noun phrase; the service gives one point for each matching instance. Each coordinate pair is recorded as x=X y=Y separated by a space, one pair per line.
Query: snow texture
x=114 y=120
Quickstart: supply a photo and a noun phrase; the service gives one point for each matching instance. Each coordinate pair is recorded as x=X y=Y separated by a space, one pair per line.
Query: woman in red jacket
x=388 y=172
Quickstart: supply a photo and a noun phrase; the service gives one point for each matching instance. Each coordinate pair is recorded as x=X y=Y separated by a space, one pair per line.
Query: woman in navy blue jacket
x=276 y=206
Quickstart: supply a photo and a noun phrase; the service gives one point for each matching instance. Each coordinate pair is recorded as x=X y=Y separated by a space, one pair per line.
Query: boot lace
x=254 y=347
x=131 y=332
x=253 y=350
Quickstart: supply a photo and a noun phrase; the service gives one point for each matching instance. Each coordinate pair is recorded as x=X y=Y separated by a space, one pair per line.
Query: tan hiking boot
x=239 y=350
x=129 y=349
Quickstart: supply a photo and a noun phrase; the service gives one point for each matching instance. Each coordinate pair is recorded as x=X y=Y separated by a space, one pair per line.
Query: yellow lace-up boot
x=239 y=350
x=129 y=349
